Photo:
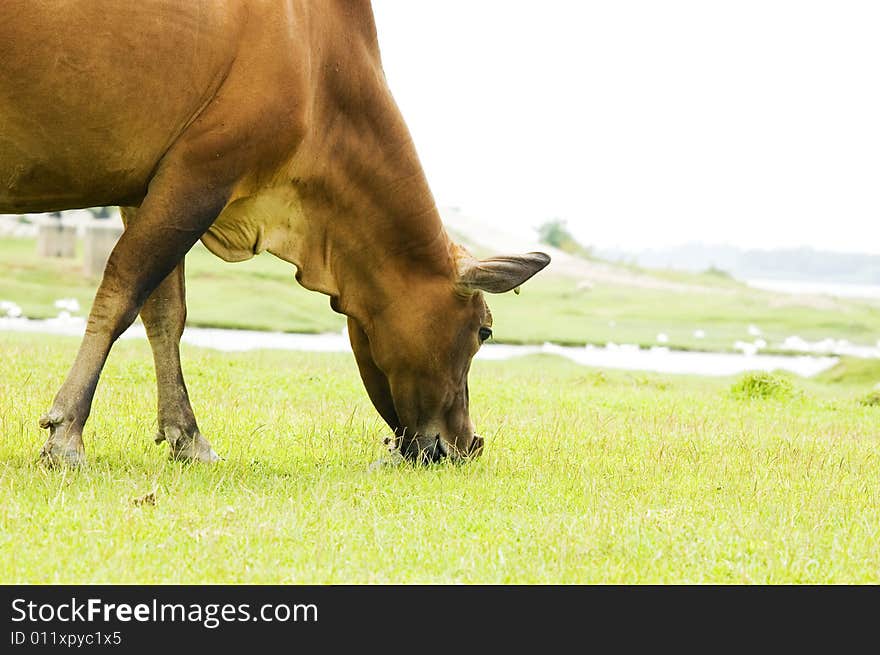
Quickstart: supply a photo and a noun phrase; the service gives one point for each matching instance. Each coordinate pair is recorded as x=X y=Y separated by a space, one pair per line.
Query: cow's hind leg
x=164 y=317
x=175 y=213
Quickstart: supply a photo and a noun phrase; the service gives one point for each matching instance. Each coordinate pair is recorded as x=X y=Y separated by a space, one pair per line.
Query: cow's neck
x=364 y=247
x=361 y=256
x=360 y=235
x=351 y=208
x=370 y=223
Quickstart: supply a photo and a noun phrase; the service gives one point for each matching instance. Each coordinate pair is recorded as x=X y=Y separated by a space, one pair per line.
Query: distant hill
x=484 y=238
x=640 y=267
x=790 y=264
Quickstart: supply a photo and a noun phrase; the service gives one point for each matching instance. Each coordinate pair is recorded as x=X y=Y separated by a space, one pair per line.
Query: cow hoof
x=56 y=455
x=186 y=448
x=208 y=456
x=61 y=449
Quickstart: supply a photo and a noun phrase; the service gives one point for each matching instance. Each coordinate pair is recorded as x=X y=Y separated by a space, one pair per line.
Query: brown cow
x=262 y=125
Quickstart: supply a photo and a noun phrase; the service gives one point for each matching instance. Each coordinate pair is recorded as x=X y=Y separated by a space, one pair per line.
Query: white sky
x=645 y=123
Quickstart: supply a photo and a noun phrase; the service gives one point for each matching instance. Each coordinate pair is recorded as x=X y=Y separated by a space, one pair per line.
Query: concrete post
x=55 y=238
x=99 y=238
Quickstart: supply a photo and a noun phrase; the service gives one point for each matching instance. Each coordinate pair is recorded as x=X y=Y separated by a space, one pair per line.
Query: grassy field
x=588 y=477
x=262 y=294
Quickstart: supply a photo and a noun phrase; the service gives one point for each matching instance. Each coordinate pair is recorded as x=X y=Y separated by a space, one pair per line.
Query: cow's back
x=92 y=94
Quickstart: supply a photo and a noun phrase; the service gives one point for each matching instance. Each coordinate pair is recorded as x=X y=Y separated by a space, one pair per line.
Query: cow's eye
x=485 y=333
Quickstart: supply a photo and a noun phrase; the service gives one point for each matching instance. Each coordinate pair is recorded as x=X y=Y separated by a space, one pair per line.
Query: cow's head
x=415 y=354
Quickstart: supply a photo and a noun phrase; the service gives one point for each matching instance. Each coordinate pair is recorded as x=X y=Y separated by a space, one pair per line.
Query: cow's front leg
x=171 y=219
x=164 y=317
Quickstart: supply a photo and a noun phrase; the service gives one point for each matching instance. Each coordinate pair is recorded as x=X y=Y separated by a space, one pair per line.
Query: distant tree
x=717 y=272
x=555 y=233
x=100 y=212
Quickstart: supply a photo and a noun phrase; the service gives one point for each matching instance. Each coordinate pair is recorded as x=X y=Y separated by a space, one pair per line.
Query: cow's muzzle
x=421 y=450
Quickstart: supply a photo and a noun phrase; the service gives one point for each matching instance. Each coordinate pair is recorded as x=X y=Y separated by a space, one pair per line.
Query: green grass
x=553 y=309
x=872 y=399
x=852 y=370
x=588 y=477
x=762 y=385
x=262 y=294
x=259 y=294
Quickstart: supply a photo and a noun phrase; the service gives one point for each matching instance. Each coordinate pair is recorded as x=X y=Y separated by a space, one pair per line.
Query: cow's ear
x=500 y=274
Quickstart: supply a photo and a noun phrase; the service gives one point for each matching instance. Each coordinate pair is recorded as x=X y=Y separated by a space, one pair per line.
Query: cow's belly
x=37 y=177
x=93 y=94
